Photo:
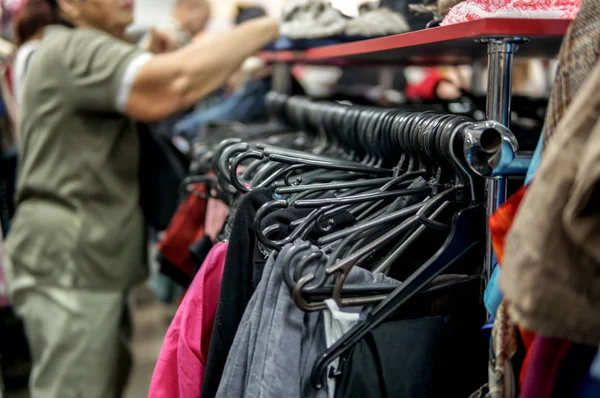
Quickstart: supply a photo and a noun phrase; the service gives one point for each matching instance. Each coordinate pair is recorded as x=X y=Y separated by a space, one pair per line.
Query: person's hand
x=160 y=42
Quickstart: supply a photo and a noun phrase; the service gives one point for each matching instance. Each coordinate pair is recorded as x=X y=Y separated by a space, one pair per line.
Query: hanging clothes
x=181 y=363
x=243 y=272
x=577 y=57
x=186 y=228
x=277 y=343
x=337 y=323
x=550 y=229
x=415 y=346
x=557 y=368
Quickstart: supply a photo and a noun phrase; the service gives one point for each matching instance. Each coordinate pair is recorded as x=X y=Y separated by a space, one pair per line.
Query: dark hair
x=33 y=17
x=247 y=12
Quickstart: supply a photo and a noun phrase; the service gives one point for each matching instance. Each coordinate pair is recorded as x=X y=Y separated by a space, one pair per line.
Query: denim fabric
x=243 y=106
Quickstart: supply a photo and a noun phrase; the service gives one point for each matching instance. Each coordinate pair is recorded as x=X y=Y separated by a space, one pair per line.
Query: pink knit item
x=470 y=10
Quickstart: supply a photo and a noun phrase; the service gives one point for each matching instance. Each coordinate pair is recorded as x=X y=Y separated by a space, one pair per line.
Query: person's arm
x=168 y=83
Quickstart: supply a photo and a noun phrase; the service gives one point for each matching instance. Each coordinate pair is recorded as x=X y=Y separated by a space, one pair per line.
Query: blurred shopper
x=30 y=18
x=76 y=246
x=242 y=99
x=188 y=19
x=186 y=22
x=29 y=23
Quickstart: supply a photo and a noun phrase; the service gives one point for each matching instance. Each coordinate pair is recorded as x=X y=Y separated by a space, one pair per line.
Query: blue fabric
x=2 y=107
x=165 y=289
x=243 y=106
x=493 y=296
x=595 y=368
x=590 y=388
x=535 y=160
x=487 y=328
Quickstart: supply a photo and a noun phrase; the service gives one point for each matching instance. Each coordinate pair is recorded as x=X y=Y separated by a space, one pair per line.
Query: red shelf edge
x=501 y=27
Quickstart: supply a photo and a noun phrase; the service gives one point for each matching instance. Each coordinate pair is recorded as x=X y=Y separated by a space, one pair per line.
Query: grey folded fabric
x=313 y=20
x=377 y=22
x=318 y=19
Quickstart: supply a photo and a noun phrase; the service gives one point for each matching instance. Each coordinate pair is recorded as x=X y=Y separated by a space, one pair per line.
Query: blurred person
x=30 y=18
x=242 y=99
x=188 y=19
x=28 y=26
x=186 y=23
x=77 y=244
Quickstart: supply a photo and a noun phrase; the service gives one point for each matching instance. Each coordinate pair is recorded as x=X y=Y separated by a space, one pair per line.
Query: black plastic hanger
x=465 y=235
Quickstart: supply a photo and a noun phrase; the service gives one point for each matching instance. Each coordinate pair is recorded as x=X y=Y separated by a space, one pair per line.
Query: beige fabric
x=79 y=340
x=551 y=266
x=78 y=188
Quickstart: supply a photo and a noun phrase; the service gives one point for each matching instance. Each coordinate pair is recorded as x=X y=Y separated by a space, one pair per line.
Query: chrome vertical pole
x=500 y=62
x=282 y=78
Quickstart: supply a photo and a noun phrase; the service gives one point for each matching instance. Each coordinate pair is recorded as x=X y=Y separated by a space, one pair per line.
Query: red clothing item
x=501 y=221
x=181 y=363
x=543 y=365
x=426 y=88
x=185 y=228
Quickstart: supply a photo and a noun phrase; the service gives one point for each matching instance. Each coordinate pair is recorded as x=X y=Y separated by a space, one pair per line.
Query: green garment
x=78 y=222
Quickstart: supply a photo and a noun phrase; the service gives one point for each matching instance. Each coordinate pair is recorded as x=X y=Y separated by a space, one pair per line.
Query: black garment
x=416 y=358
x=199 y=251
x=8 y=183
x=573 y=370
x=244 y=266
x=397 y=359
x=432 y=346
x=236 y=288
x=162 y=169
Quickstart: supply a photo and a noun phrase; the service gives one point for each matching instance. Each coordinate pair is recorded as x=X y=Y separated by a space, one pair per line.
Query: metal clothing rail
x=451 y=45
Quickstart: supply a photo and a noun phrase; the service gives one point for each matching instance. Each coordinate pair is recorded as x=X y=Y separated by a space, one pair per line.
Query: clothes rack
x=463 y=43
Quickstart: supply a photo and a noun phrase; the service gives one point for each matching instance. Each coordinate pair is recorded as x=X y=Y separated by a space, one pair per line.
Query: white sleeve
x=128 y=79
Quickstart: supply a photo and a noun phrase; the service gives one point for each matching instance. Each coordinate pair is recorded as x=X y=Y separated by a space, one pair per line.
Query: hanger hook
x=233 y=175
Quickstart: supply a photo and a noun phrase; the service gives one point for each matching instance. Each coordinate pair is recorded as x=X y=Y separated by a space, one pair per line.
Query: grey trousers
x=79 y=340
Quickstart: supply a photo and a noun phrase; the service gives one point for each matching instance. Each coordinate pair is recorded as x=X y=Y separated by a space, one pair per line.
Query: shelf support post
x=501 y=52
x=282 y=78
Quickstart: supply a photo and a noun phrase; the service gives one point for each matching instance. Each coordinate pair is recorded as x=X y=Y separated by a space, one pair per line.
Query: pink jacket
x=181 y=363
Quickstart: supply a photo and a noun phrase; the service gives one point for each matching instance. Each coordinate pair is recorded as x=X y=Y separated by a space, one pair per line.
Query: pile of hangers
x=388 y=191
